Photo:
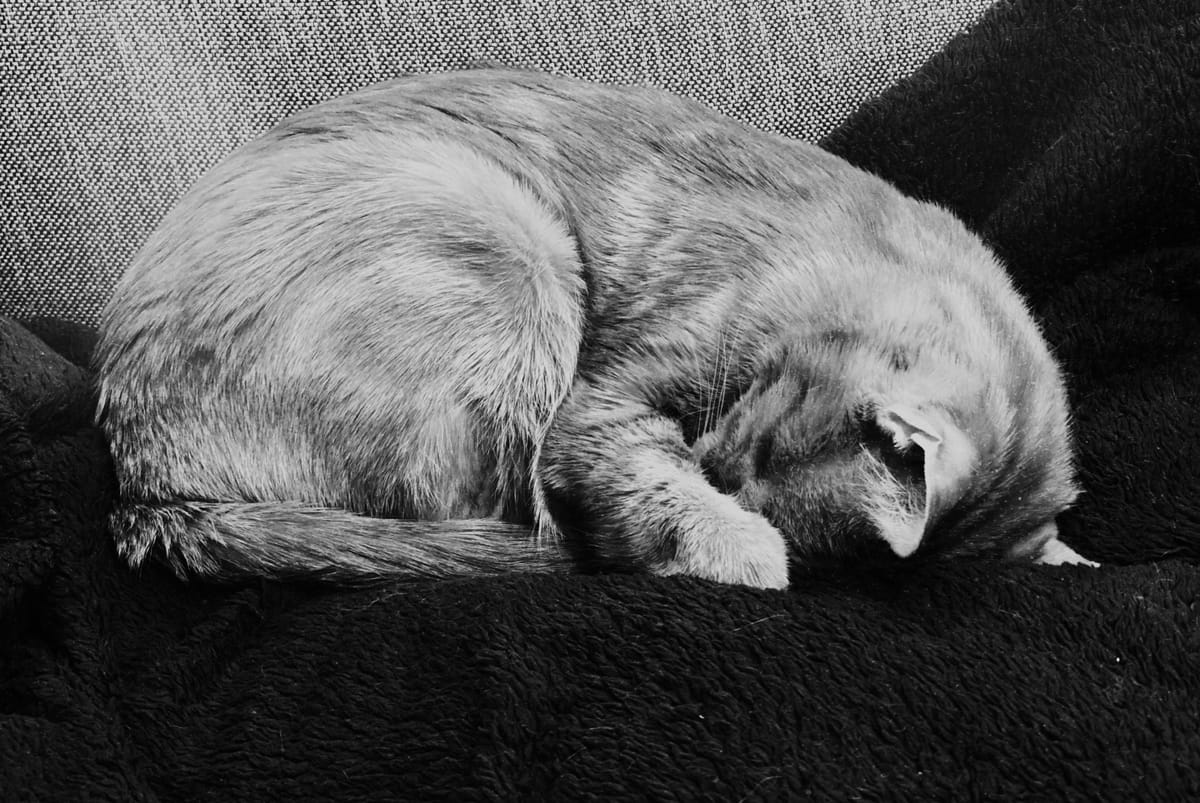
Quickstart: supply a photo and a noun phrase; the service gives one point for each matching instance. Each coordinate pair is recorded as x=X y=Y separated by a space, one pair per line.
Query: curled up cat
x=496 y=321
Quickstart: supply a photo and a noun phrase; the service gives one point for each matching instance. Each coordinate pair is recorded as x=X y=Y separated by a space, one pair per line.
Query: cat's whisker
x=710 y=385
x=718 y=388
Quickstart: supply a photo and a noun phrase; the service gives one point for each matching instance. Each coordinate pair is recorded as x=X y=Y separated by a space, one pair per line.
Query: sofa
x=1065 y=132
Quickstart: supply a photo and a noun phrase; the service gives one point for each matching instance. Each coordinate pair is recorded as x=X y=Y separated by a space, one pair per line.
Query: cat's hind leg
x=404 y=319
x=453 y=347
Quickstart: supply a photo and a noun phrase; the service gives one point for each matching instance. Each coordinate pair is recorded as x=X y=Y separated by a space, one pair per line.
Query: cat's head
x=862 y=452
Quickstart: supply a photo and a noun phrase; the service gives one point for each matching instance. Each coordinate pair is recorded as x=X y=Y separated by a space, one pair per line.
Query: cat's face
x=857 y=459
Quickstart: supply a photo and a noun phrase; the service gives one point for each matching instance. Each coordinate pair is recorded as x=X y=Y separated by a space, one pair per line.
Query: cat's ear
x=946 y=458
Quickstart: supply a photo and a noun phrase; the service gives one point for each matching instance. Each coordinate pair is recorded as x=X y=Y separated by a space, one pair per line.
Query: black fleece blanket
x=1068 y=134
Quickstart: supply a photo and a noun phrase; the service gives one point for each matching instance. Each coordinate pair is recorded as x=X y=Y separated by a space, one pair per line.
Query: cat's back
x=527 y=108
x=564 y=134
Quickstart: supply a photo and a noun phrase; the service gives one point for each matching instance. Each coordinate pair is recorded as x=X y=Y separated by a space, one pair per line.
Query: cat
x=495 y=320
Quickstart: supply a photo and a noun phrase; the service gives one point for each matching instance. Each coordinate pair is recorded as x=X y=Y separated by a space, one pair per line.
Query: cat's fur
x=409 y=328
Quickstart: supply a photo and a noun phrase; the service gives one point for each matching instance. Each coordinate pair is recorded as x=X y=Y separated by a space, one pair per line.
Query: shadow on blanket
x=1069 y=135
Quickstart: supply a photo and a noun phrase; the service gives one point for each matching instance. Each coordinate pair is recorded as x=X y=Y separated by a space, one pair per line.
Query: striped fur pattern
x=500 y=321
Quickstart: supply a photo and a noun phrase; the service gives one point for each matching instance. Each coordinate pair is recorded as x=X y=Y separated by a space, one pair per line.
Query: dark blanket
x=1068 y=134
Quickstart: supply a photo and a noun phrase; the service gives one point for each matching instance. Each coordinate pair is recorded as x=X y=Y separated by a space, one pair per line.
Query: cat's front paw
x=747 y=552
x=1056 y=553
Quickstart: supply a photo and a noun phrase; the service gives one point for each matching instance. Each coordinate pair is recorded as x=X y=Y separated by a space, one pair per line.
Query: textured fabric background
x=110 y=110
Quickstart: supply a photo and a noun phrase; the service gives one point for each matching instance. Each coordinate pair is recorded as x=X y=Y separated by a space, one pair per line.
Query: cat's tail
x=229 y=541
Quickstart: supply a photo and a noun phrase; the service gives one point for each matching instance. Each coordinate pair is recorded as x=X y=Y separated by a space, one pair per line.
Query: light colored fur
x=422 y=324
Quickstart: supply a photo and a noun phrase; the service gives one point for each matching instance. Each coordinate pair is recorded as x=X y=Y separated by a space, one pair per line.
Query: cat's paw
x=750 y=552
x=1056 y=553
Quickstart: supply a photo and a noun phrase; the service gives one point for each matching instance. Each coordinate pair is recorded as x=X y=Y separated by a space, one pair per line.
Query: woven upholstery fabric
x=111 y=110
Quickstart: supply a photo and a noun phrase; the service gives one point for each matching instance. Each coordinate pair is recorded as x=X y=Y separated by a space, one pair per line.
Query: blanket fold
x=1068 y=135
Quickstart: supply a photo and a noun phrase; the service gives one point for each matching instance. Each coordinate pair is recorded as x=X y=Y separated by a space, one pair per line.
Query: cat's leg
x=619 y=471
